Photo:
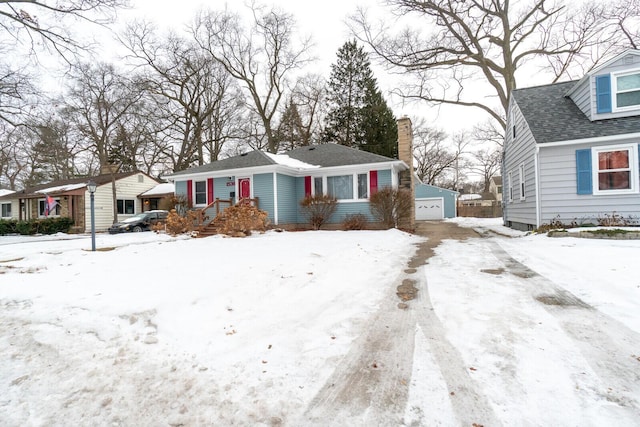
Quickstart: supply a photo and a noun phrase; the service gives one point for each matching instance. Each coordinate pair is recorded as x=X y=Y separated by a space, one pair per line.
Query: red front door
x=244 y=185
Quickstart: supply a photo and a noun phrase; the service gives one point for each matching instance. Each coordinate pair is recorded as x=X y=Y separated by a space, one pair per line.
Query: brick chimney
x=405 y=153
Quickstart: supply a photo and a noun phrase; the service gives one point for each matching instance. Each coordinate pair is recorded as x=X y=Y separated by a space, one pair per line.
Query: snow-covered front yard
x=256 y=331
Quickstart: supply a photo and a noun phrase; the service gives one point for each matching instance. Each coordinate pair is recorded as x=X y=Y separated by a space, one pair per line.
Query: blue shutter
x=603 y=93
x=583 y=168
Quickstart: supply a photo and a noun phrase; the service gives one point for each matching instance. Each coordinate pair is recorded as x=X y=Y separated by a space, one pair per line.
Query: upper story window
x=626 y=90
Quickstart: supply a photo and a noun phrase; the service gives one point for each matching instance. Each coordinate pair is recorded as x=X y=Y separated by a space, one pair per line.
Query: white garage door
x=432 y=208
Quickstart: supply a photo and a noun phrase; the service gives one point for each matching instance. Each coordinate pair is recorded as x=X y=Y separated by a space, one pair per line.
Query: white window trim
x=10 y=206
x=614 y=91
x=633 y=167
x=521 y=181
x=41 y=214
x=194 y=193
x=510 y=180
x=124 y=206
x=354 y=183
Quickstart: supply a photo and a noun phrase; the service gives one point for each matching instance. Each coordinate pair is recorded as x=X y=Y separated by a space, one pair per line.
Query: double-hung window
x=201 y=192
x=626 y=90
x=614 y=169
x=6 y=210
x=126 y=206
x=522 y=181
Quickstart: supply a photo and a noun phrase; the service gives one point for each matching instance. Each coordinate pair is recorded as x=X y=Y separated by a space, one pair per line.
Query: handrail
x=202 y=218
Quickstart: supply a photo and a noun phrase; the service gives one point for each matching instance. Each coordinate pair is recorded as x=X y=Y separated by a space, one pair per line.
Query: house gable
x=611 y=90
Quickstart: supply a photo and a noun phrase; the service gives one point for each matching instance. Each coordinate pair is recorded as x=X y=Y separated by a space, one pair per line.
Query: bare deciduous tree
x=486 y=163
x=461 y=46
x=260 y=57
x=196 y=98
x=39 y=23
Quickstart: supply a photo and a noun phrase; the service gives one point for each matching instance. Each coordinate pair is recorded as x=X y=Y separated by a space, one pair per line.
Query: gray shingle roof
x=328 y=155
x=552 y=116
x=324 y=155
x=246 y=160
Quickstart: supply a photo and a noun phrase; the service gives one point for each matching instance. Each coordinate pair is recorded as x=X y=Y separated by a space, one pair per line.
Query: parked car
x=140 y=222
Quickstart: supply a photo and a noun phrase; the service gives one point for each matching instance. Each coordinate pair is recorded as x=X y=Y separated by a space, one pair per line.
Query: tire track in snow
x=605 y=343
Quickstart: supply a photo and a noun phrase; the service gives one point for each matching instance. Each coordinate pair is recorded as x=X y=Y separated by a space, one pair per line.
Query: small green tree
x=391 y=206
x=318 y=209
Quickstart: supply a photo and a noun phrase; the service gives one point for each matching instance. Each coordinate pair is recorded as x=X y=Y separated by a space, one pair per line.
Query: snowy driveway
x=528 y=331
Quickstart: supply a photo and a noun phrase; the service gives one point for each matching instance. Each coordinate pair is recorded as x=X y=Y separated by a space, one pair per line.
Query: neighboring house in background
x=6 y=206
x=495 y=187
x=152 y=199
x=72 y=199
x=280 y=181
x=433 y=203
x=571 y=149
x=484 y=199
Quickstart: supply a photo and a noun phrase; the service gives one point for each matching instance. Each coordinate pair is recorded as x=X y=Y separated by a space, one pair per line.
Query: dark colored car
x=140 y=222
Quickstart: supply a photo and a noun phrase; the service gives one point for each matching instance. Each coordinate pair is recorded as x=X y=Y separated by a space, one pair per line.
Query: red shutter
x=307 y=186
x=190 y=192
x=209 y=191
x=373 y=183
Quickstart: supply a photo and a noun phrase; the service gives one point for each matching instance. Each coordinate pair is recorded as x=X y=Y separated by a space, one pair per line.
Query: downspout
x=537 y=185
x=275 y=198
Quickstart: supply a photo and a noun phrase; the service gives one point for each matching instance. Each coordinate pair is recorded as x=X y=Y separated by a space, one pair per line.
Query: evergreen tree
x=358 y=116
x=289 y=134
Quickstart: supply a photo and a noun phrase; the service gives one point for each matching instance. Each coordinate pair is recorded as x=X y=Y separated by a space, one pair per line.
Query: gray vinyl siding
x=263 y=189
x=558 y=191
x=627 y=63
x=517 y=151
x=288 y=200
x=581 y=96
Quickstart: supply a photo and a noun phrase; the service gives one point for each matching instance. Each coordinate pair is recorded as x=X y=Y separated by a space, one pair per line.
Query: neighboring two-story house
x=571 y=149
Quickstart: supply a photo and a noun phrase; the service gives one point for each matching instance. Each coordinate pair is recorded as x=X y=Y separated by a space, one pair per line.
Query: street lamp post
x=91 y=186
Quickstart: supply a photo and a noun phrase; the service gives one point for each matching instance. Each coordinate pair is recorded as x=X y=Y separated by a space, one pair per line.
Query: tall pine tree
x=359 y=116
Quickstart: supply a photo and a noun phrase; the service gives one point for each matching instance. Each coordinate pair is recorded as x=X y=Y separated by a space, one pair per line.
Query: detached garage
x=434 y=203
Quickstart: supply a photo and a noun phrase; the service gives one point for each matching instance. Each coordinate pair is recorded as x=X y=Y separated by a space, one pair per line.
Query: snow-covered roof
x=164 y=188
x=5 y=192
x=61 y=188
x=283 y=159
x=470 y=197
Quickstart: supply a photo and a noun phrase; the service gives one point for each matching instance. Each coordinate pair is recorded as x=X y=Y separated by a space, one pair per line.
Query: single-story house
x=72 y=199
x=433 y=203
x=278 y=182
x=571 y=149
x=152 y=199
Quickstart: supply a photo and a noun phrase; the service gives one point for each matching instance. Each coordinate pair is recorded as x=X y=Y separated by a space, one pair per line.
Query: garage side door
x=430 y=209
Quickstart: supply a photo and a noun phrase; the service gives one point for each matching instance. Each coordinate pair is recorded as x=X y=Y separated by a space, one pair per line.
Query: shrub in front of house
x=8 y=226
x=354 y=222
x=36 y=226
x=318 y=209
x=391 y=206
x=241 y=220
x=177 y=223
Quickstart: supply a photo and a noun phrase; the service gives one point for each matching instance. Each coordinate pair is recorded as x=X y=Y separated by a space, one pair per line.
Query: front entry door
x=244 y=189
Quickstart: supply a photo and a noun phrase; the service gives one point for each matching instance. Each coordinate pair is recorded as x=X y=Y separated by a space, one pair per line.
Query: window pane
x=613 y=160
x=363 y=186
x=628 y=82
x=6 y=209
x=129 y=207
x=201 y=192
x=628 y=99
x=340 y=187
x=317 y=186
x=614 y=181
x=120 y=206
